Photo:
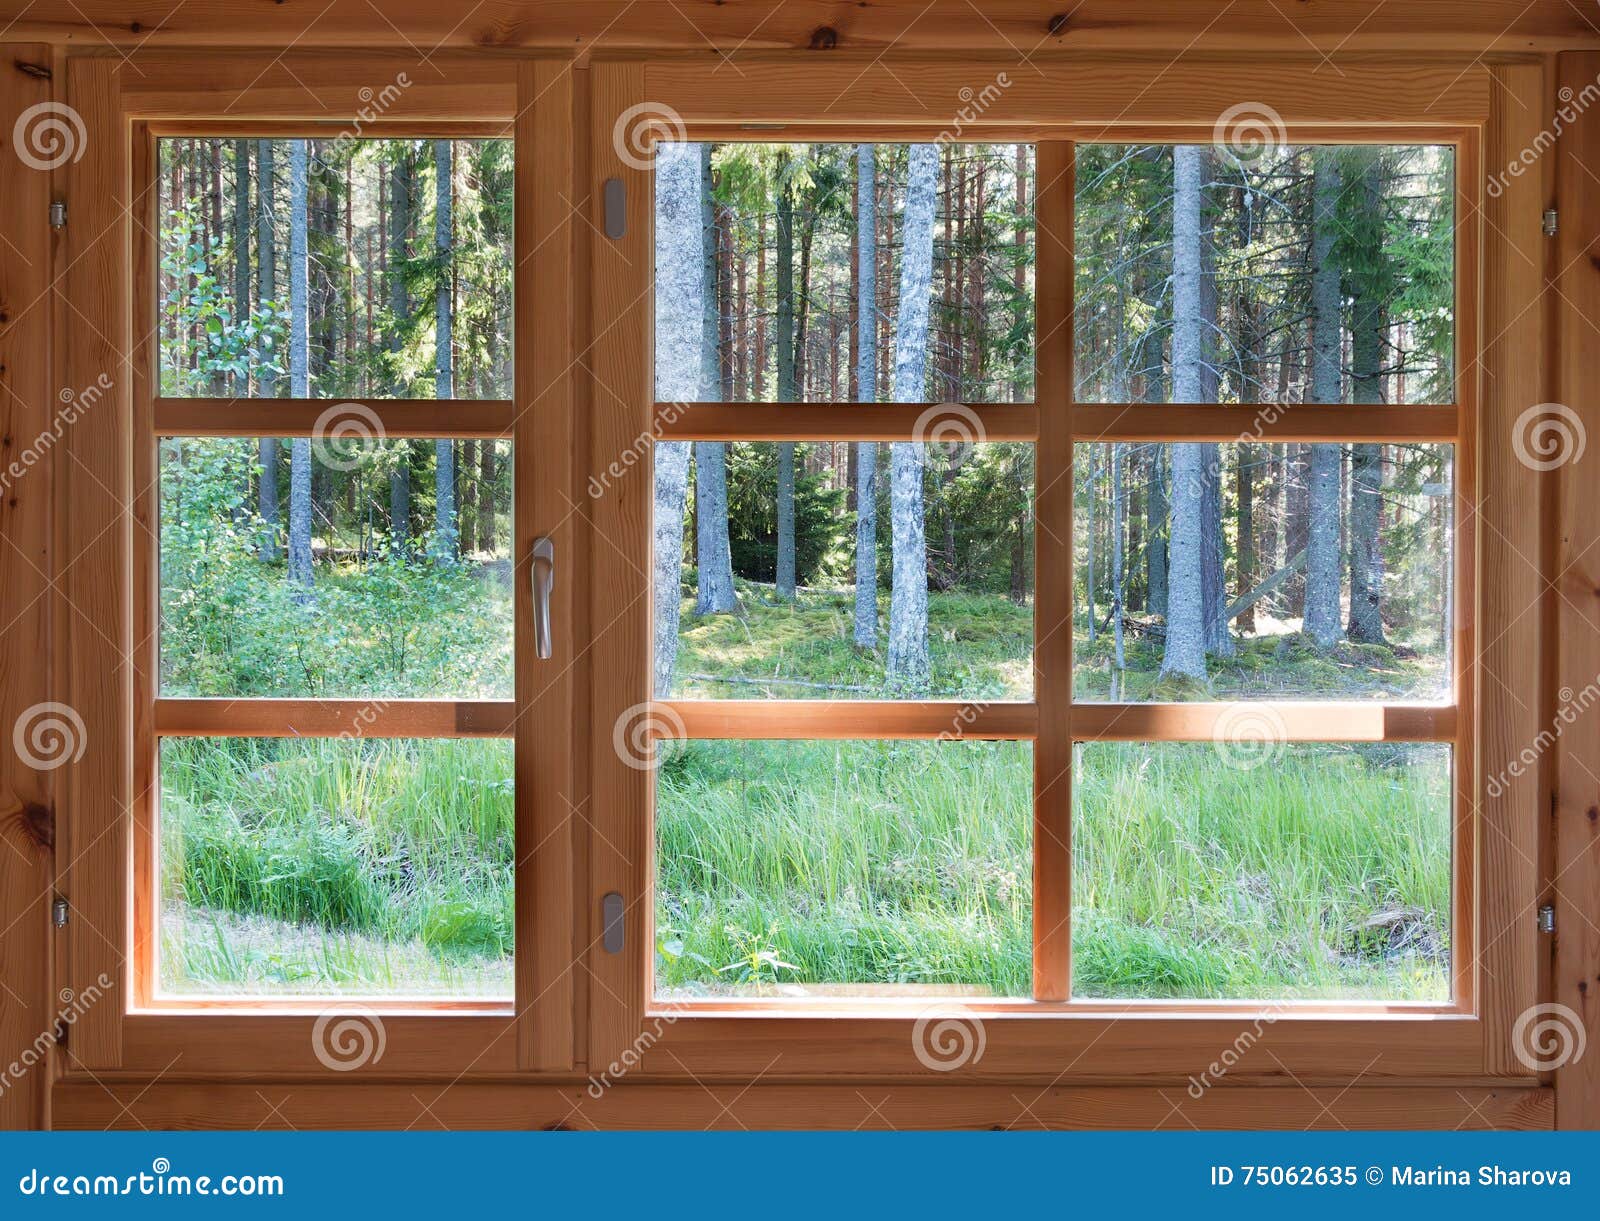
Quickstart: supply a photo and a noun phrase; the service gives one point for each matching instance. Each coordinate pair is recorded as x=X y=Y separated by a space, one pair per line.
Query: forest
x=366 y=566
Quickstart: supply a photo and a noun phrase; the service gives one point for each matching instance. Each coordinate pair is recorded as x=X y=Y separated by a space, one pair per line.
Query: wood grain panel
x=1513 y=810
x=630 y=1105
x=352 y=419
x=1576 y=880
x=95 y=525
x=1031 y=27
x=28 y=410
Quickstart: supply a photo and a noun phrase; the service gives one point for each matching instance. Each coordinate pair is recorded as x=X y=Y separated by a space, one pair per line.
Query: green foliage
x=820 y=534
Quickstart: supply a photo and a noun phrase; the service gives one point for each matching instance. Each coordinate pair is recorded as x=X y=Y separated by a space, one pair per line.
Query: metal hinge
x=1550 y=222
x=58 y=912
x=1547 y=919
x=58 y=214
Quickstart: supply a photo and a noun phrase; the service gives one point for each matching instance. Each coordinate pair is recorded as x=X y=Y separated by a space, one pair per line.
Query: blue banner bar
x=811 y=1175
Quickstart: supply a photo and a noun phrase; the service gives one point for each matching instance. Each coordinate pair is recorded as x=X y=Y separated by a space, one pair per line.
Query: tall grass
x=406 y=846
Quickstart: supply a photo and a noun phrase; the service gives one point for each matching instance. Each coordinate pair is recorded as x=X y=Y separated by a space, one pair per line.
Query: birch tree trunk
x=400 y=182
x=446 y=543
x=267 y=453
x=713 y=555
x=680 y=319
x=783 y=339
x=1321 y=621
x=1184 y=655
x=908 y=667
x=299 y=368
x=866 y=378
x=1366 y=386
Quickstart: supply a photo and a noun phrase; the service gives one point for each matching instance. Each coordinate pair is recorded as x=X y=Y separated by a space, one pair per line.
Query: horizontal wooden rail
x=841 y=719
x=354 y=718
x=959 y=422
x=978 y=422
x=347 y=420
x=1261 y=422
x=1263 y=720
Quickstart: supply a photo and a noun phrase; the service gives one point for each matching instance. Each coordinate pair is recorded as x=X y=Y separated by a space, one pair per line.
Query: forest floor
x=1316 y=870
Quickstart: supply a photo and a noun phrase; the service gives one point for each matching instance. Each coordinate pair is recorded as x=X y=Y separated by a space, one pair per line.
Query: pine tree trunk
x=299 y=368
x=1366 y=386
x=1321 y=621
x=266 y=289
x=864 y=378
x=783 y=341
x=908 y=665
x=400 y=182
x=1184 y=655
x=446 y=527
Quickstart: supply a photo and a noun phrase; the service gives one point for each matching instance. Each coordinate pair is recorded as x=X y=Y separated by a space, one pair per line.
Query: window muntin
x=344 y=852
x=1378 y=220
x=1419 y=600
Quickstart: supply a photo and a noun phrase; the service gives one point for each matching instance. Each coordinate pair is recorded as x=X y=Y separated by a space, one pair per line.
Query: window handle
x=544 y=578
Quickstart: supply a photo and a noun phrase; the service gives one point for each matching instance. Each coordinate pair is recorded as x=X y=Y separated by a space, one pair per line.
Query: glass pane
x=1256 y=571
x=340 y=866
x=333 y=268
x=768 y=602
x=1274 y=273
x=764 y=253
x=844 y=868
x=1293 y=871
x=333 y=569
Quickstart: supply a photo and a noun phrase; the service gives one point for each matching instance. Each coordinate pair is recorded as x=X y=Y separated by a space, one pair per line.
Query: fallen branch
x=780 y=682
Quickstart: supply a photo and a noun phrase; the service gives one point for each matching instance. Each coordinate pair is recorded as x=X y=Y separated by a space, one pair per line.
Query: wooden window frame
x=586 y=376
x=1065 y=1038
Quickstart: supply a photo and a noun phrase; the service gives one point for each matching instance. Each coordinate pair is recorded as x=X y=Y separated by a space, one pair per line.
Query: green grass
x=385 y=867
